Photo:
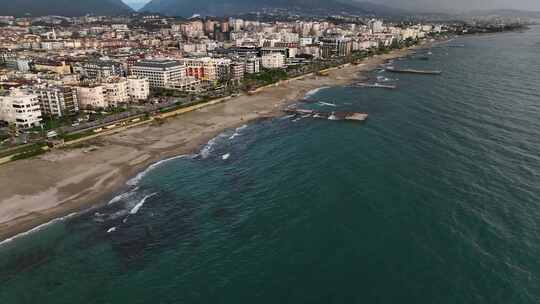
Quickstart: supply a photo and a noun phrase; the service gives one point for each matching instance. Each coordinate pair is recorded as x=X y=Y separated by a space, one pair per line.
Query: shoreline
x=57 y=184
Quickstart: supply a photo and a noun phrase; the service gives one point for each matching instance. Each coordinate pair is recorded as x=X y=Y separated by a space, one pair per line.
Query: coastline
x=64 y=181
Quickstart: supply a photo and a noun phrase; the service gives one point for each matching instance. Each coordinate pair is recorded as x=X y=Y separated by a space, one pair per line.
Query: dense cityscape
x=64 y=78
x=269 y=151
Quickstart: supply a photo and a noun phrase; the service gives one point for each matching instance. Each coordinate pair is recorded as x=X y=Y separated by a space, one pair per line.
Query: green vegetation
x=161 y=92
x=28 y=154
x=50 y=123
x=263 y=78
x=75 y=136
x=25 y=151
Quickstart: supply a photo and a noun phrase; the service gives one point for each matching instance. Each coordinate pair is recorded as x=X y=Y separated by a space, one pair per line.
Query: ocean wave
x=134 y=181
x=314 y=91
x=326 y=104
x=287 y=116
x=139 y=205
x=117 y=214
x=237 y=132
x=38 y=228
x=226 y=156
x=113 y=229
x=123 y=196
x=206 y=151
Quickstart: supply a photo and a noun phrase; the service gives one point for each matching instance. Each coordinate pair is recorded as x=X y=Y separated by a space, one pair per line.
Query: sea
x=434 y=199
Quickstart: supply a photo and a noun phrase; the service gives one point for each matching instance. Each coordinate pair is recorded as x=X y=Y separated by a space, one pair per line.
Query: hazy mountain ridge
x=187 y=8
x=63 y=7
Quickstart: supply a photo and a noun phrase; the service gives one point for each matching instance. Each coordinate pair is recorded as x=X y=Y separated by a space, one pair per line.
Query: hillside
x=63 y=7
x=187 y=8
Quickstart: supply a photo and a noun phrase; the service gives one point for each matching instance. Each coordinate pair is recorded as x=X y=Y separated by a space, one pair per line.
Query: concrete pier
x=353 y=116
x=413 y=71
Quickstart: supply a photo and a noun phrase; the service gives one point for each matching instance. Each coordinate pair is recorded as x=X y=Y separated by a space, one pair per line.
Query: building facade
x=116 y=91
x=335 y=47
x=92 y=97
x=21 y=108
x=102 y=69
x=273 y=61
x=57 y=101
x=160 y=73
x=252 y=65
x=138 y=88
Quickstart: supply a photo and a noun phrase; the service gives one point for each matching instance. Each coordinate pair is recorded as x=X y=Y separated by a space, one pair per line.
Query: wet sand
x=35 y=191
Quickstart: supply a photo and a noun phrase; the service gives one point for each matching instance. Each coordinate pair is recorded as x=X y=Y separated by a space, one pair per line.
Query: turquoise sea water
x=435 y=199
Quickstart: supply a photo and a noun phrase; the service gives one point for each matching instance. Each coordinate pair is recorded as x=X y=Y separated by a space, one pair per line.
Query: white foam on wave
x=123 y=196
x=134 y=181
x=237 y=132
x=117 y=214
x=313 y=92
x=242 y=127
x=113 y=229
x=139 y=205
x=206 y=151
x=287 y=116
x=322 y=103
x=38 y=228
x=226 y=156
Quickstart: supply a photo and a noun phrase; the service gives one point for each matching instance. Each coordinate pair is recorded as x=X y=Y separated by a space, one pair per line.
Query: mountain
x=186 y=8
x=63 y=7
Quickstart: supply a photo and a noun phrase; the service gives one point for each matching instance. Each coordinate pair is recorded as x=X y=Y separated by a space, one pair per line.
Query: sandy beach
x=35 y=191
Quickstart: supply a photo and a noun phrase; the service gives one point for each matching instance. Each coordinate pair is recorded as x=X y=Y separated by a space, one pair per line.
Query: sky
x=462 y=5
x=136 y=4
x=433 y=5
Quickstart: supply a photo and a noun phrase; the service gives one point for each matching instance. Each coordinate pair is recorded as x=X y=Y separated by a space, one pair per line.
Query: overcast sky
x=462 y=5
x=435 y=5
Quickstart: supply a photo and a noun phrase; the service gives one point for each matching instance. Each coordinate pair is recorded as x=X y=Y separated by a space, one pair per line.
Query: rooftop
x=157 y=63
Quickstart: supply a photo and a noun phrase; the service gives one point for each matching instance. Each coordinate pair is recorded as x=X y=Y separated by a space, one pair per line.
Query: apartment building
x=160 y=73
x=207 y=68
x=116 y=91
x=102 y=69
x=237 y=71
x=138 y=88
x=92 y=97
x=57 y=101
x=21 y=108
x=273 y=61
x=335 y=47
x=252 y=65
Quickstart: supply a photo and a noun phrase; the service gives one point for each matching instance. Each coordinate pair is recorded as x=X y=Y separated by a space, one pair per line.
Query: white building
x=116 y=91
x=160 y=73
x=376 y=26
x=273 y=61
x=306 y=41
x=138 y=88
x=20 y=108
x=92 y=97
